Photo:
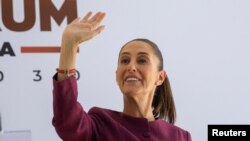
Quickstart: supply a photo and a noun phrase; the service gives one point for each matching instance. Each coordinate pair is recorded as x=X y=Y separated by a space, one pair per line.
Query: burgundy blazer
x=72 y=123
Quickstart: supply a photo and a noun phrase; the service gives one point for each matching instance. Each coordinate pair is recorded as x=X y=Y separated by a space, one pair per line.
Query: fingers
x=95 y=17
x=86 y=17
x=96 y=22
x=90 y=26
x=93 y=21
x=98 y=30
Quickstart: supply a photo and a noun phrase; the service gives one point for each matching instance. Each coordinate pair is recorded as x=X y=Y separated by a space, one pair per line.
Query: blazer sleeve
x=71 y=122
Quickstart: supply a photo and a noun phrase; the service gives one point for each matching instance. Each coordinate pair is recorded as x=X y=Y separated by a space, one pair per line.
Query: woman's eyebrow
x=143 y=53
x=139 y=53
x=125 y=53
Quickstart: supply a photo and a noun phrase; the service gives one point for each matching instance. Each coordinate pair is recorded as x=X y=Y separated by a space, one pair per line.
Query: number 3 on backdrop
x=38 y=75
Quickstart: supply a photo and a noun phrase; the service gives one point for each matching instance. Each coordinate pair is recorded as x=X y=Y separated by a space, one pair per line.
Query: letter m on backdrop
x=48 y=10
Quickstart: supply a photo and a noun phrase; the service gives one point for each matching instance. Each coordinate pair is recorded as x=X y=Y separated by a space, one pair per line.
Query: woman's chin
x=131 y=92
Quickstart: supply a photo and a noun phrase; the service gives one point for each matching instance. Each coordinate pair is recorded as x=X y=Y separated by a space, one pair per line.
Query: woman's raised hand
x=81 y=30
x=76 y=32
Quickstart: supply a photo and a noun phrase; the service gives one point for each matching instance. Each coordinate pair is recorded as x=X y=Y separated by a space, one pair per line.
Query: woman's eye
x=142 y=61
x=125 y=61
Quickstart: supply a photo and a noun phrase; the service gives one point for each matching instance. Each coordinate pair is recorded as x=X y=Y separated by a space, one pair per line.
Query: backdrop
x=205 y=44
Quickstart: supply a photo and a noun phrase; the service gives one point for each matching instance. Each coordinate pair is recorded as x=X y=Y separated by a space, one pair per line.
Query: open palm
x=81 y=30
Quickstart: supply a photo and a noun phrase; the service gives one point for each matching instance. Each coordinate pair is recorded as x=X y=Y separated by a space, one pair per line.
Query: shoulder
x=165 y=124
x=104 y=119
x=102 y=113
x=174 y=131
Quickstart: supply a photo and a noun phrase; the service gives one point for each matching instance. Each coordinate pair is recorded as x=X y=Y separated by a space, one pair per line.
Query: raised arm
x=78 y=31
x=70 y=120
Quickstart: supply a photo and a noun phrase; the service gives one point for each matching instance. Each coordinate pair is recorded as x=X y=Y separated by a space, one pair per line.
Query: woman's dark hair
x=163 y=101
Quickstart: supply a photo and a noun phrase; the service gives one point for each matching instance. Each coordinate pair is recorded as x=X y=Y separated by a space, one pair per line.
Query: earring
x=157 y=83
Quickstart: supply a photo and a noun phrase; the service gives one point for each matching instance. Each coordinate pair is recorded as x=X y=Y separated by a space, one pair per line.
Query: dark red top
x=72 y=123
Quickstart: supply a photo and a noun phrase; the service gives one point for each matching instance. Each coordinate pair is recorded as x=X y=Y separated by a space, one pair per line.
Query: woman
x=147 y=96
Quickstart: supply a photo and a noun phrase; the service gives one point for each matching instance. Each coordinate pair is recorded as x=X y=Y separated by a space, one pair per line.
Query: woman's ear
x=162 y=77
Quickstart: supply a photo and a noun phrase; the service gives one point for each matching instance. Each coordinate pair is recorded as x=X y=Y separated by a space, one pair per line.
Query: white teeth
x=132 y=79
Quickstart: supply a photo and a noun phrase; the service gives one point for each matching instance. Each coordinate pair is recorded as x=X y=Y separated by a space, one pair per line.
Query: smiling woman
x=141 y=65
x=149 y=110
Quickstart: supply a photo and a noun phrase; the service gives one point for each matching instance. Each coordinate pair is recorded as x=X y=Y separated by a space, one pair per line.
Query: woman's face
x=137 y=72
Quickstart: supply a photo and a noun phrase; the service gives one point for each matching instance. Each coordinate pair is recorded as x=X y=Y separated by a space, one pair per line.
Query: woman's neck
x=140 y=108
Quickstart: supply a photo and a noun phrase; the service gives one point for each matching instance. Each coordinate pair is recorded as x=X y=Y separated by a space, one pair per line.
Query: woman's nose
x=131 y=67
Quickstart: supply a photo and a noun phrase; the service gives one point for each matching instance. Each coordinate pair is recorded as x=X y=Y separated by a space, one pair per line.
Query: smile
x=132 y=79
